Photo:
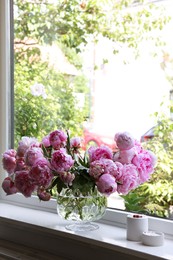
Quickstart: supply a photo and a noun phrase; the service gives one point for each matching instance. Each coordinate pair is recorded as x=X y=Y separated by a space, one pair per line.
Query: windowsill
x=21 y=225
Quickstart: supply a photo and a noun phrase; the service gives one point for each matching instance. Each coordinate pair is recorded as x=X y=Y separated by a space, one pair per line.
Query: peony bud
x=8 y=186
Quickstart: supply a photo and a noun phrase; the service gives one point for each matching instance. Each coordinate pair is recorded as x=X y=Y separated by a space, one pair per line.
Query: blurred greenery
x=36 y=116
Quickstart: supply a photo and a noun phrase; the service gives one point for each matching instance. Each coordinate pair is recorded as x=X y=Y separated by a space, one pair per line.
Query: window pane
x=98 y=69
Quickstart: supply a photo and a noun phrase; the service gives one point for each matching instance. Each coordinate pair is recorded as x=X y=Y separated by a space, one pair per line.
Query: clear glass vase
x=81 y=210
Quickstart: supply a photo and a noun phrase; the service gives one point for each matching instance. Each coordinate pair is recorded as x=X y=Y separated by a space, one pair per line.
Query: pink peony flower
x=20 y=164
x=145 y=163
x=24 y=183
x=138 y=146
x=61 y=161
x=9 y=161
x=67 y=177
x=97 y=153
x=125 y=156
x=153 y=158
x=124 y=141
x=57 y=139
x=40 y=173
x=32 y=154
x=116 y=136
x=45 y=141
x=75 y=142
x=25 y=143
x=43 y=194
x=103 y=166
x=9 y=186
x=97 y=168
x=118 y=173
x=106 y=184
x=128 y=179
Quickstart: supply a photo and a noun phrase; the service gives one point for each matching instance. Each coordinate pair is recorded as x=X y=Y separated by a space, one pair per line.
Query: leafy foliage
x=74 y=23
x=35 y=116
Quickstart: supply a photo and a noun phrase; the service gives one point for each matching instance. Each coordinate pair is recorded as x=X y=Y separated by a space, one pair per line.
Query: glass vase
x=81 y=210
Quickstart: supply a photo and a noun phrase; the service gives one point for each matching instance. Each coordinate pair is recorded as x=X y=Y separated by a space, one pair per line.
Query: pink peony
x=43 y=194
x=75 y=142
x=57 y=139
x=24 y=183
x=97 y=168
x=25 y=143
x=153 y=158
x=32 y=154
x=40 y=173
x=9 y=161
x=67 y=177
x=61 y=161
x=97 y=153
x=103 y=166
x=116 y=136
x=106 y=184
x=128 y=179
x=125 y=156
x=8 y=186
x=145 y=163
x=138 y=146
x=119 y=169
x=124 y=141
x=45 y=141
x=20 y=164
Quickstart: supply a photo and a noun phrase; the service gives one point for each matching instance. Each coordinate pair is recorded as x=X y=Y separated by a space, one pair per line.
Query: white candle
x=136 y=225
x=151 y=238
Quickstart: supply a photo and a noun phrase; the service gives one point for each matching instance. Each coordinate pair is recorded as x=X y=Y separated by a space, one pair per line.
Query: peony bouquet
x=45 y=168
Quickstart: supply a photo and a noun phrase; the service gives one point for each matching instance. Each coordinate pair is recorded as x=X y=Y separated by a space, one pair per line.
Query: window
x=5 y=107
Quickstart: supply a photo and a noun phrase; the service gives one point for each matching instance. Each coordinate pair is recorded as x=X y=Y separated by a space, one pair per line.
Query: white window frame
x=4 y=77
x=111 y=216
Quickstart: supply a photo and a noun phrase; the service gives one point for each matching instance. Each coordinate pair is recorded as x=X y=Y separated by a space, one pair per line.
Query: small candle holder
x=151 y=238
x=136 y=225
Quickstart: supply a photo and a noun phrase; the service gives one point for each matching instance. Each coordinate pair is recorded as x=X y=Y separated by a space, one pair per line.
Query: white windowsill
x=108 y=237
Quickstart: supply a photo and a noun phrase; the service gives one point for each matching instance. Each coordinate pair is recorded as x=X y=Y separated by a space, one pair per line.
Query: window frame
x=112 y=216
x=5 y=78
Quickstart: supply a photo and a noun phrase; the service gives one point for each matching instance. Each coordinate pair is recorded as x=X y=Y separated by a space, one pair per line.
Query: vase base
x=82 y=227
